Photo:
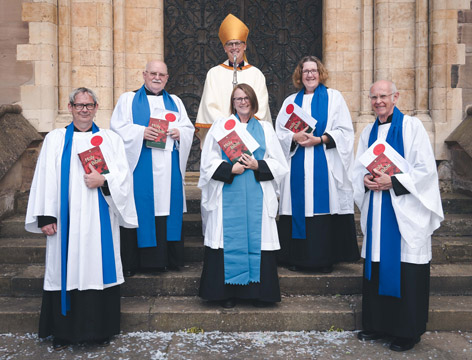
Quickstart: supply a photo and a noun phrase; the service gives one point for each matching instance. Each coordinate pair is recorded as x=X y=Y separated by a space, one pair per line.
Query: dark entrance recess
x=280 y=33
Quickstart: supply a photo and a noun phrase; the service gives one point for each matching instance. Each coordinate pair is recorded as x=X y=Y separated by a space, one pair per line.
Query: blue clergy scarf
x=108 y=254
x=144 y=184
x=390 y=237
x=242 y=219
x=319 y=110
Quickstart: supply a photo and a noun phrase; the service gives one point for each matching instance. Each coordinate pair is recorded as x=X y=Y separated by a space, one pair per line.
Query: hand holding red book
x=297 y=120
x=161 y=125
x=94 y=179
x=94 y=157
x=382 y=163
x=232 y=144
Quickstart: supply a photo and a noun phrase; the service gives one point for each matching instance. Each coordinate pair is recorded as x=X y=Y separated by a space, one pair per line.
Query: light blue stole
x=242 y=219
x=108 y=254
x=390 y=237
x=144 y=183
x=319 y=110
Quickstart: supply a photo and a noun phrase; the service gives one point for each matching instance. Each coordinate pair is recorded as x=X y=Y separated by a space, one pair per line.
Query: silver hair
x=393 y=88
x=80 y=90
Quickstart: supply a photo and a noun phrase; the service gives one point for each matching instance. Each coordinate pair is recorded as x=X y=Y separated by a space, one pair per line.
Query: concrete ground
x=193 y=345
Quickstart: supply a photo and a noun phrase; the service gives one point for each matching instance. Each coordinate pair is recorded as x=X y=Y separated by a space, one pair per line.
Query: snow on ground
x=195 y=344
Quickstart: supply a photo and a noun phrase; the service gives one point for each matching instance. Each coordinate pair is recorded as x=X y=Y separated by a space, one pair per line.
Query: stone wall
x=105 y=44
x=13 y=31
x=19 y=146
x=102 y=44
x=463 y=76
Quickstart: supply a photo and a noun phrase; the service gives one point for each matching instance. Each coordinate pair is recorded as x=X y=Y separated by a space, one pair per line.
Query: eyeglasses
x=382 y=97
x=307 y=71
x=89 y=106
x=234 y=43
x=241 y=99
x=156 y=74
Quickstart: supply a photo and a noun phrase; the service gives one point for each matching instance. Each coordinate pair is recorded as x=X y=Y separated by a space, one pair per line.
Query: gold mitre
x=232 y=29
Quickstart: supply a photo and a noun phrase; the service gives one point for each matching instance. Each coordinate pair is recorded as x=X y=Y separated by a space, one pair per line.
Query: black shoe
x=228 y=303
x=103 y=342
x=327 y=269
x=262 y=304
x=294 y=268
x=173 y=268
x=404 y=344
x=59 y=344
x=129 y=273
x=366 y=335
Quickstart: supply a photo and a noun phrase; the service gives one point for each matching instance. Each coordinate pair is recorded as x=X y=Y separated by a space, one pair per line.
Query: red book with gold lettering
x=383 y=158
x=233 y=146
x=161 y=126
x=95 y=157
x=296 y=124
x=384 y=165
x=296 y=119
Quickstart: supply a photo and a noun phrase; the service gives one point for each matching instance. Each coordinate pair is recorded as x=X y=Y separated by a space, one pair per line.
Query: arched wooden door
x=280 y=33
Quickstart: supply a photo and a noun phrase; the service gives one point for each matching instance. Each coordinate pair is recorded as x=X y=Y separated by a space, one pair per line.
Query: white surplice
x=132 y=134
x=84 y=261
x=212 y=190
x=339 y=159
x=418 y=213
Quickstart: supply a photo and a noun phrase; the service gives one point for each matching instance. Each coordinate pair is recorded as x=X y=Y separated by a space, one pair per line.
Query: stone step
x=457 y=208
x=453 y=203
x=453 y=225
x=346 y=279
x=33 y=250
x=295 y=313
x=30 y=250
x=461 y=205
x=14 y=226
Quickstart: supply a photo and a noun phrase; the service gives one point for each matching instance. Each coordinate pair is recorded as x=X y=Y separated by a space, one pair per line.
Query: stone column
x=144 y=39
x=445 y=101
x=92 y=52
x=367 y=66
x=119 y=48
x=394 y=49
x=65 y=57
x=382 y=68
x=421 y=68
x=342 y=51
x=39 y=97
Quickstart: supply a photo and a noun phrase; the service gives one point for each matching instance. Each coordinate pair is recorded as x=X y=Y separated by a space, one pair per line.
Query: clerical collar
x=389 y=120
x=149 y=93
x=240 y=65
x=78 y=130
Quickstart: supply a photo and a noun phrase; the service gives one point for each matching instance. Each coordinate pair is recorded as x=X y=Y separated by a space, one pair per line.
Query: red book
x=161 y=126
x=233 y=146
x=296 y=124
x=95 y=157
x=383 y=164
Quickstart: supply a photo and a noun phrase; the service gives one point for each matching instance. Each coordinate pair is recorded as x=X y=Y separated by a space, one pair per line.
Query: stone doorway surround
x=105 y=44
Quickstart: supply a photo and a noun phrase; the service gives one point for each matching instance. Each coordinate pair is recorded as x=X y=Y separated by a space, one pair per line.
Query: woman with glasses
x=239 y=203
x=316 y=223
